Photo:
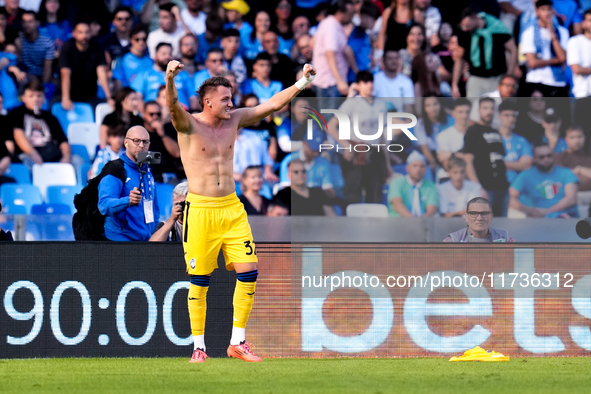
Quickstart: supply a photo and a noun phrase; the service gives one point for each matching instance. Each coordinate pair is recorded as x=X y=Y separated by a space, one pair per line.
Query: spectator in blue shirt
x=260 y=84
x=317 y=167
x=545 y=190
x=212 y=38
x=252 y=44
x=518 y=150
x=136 y=62
x=54 y=23
x=37 y=51
x=8 y=88
x=214 y=66
x=148 y=83
x=359 y=40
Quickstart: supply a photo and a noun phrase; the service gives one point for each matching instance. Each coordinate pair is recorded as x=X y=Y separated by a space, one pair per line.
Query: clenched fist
x=309 y=70
x=174 y=68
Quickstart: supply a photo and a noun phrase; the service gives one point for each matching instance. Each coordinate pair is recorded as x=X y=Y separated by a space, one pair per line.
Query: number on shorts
x=250 y=249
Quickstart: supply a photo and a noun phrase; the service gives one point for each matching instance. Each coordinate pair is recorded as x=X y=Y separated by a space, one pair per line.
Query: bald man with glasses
x=130 y=207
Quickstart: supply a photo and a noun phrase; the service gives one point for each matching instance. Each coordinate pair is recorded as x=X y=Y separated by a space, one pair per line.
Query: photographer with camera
x=130 y=207
x=172 y=229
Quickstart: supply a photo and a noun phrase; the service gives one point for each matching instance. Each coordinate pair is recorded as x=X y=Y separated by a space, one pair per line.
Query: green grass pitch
x=341 y=375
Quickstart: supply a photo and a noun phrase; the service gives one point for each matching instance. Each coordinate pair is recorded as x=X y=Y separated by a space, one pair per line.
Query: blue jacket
x=124 y=222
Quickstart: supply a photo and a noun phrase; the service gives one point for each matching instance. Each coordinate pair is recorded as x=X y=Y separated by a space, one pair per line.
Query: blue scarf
x=557 y=70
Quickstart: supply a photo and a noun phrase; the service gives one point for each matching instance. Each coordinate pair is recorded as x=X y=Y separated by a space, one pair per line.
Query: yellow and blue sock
x=243 y=300
x=197 y=301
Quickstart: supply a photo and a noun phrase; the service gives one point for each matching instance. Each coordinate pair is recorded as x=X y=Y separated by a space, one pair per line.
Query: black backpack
x=88 y=222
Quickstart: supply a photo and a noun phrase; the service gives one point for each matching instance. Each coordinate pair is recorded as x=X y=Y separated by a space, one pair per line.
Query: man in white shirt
x=544 y=45
x=391 y=83
x=170 y=31
x=578 y=57
x=455 y=193
x=194 y=17
x=451 y=140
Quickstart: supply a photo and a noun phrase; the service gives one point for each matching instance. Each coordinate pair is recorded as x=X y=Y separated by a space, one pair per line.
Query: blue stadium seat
x=20 y=173
x=51 y=209
x=63 y=195
x=81 y=152
x=81 y=112
x=82 y=174
x=18 y=199
x=164 y=195
x=50 y=228
x=283 y=169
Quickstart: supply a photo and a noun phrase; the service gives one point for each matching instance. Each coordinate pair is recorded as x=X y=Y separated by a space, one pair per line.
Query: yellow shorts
x=211 y=223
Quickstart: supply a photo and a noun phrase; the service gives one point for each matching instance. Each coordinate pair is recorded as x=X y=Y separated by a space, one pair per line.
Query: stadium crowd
x=458 y=65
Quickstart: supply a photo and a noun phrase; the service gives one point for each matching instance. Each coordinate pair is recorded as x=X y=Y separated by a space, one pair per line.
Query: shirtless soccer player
x=214 y=217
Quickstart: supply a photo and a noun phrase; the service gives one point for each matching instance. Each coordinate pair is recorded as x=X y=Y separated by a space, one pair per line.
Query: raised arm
x=250 y=116
x=181 y=119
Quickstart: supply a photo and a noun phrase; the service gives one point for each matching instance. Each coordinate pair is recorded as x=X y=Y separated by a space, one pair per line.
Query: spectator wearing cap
x=233 y=60
x=214 y=67
x=518 y=150
x=484 y=154
x=281 y=65
x=484 y=43
x=552 y=124
x=235 y=12
x=575 y=158
x=148 y=83
x=194 y=17
x=412 y=195
x=170 y=31
x=261 y=84
x=329 y=53
x=578 y=57
x=544 y=45
x=479 y=216
x=317 y=167
x=545 y=190
x=136 y=61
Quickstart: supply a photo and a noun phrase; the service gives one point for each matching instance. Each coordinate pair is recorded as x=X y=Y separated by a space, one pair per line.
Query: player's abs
x=212 y=177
